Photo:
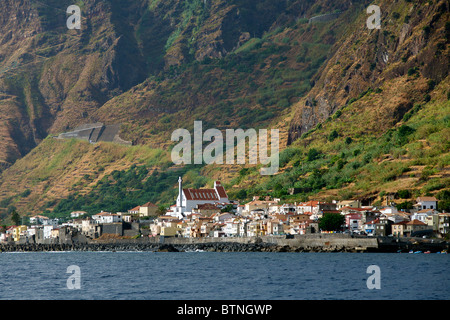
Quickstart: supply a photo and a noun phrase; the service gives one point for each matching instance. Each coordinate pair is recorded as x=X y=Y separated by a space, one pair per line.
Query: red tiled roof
x=200 y=194
x=309 y=203
x=149 y=204
x=400 y=223
x=420 y=199
x=221 y=191
x=373 y=221
x=417 y=223
x=103 y=214
x=425 y=210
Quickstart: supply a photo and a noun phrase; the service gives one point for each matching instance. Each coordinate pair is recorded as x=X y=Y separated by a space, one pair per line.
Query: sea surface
x=222 y=276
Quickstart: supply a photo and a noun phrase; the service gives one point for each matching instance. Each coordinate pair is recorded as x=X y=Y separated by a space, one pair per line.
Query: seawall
x=299 y=243
x=314 y=243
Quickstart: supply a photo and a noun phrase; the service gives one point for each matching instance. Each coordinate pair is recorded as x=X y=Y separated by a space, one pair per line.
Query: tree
x=444 y=200
x=331 y=222
x=241 y=194
x=407 y=205
x=404 y=194
x=15 y=217
x=313 y=154
x=333 y=135
x=161 y=210
x=228 y=208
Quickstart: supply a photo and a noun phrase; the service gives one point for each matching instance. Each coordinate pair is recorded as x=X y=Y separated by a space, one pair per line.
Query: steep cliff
x=53 y=79
x=413 y=39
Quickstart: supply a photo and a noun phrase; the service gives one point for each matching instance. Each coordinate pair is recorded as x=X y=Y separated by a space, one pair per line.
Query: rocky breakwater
x=259 y=247
x=140 y=247
x=113 y=247
x=317 y=243
x=95 y=247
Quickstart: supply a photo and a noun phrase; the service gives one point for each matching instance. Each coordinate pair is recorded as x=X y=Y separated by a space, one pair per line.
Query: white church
x=189 y=199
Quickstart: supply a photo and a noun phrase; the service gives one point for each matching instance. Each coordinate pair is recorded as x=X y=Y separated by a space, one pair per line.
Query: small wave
x=196 y=250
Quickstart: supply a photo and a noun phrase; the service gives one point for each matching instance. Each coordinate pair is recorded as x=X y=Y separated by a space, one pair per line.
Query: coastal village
x=200 y=213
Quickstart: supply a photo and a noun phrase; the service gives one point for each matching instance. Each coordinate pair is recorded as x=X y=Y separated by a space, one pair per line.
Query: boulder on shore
x=167 y=248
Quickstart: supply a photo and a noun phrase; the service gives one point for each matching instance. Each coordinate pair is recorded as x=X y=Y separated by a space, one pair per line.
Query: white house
x=135 y=210
x=243 y=228
x=264 y=205
x=426 y=203
x=369 y=227
x=107 y=217
x=232 y=227
x=51 y=222
x=31 y=231
x=288 y=208
x=38 y=219
x=222 y=217
x=388 y=210
x=75 y=223
x=77 y=214
x=395 y=218
x=48 y=231
x=422 y=215
x=310 y=207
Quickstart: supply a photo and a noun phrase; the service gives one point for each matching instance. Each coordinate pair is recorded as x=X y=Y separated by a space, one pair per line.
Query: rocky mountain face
x=413 y=38
x=52 y=79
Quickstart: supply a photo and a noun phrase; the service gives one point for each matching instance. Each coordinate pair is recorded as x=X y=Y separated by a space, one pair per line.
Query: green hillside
x=362 y=113
x=351 y=156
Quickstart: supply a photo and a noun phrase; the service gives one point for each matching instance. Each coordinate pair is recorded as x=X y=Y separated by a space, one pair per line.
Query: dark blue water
x=223 y=276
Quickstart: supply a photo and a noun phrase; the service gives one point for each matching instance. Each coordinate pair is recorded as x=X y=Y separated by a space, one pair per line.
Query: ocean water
x=223 y=276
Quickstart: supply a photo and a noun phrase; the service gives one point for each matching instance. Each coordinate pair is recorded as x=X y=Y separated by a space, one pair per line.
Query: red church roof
x=221 y=191
x=200 y=194
x=206 y=194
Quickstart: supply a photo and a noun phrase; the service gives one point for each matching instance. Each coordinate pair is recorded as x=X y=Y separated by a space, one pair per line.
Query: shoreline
x=318 y=243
